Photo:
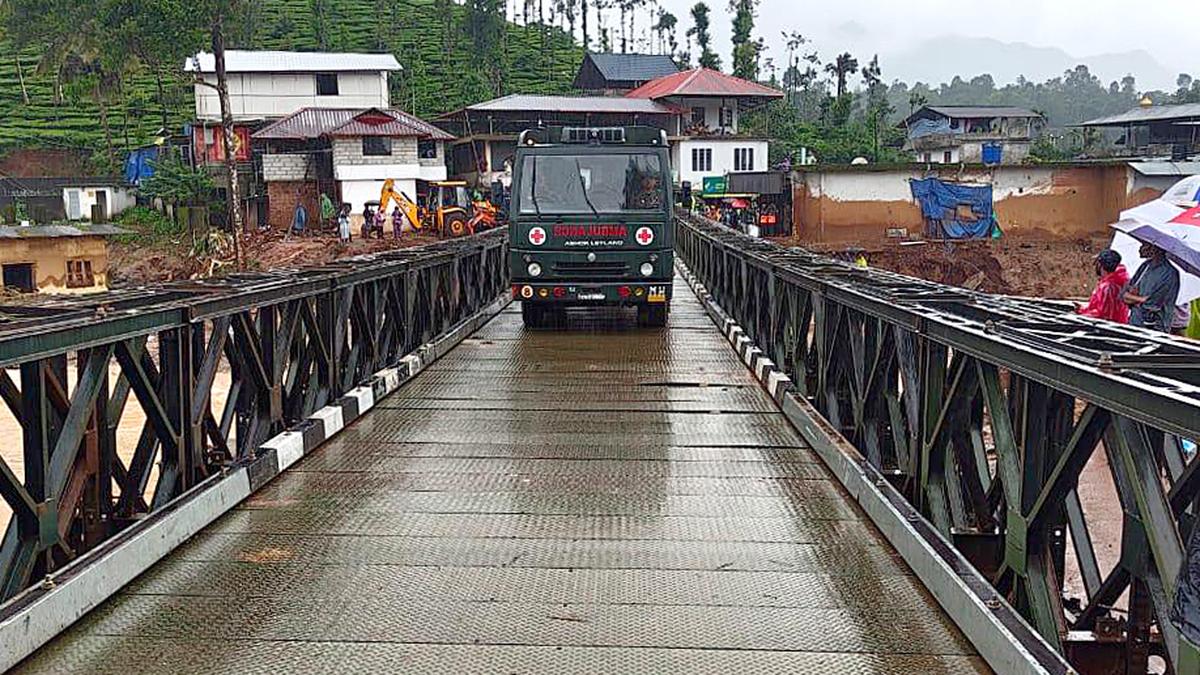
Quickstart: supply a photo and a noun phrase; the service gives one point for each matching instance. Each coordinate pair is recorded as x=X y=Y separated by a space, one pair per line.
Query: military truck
x=591 y=222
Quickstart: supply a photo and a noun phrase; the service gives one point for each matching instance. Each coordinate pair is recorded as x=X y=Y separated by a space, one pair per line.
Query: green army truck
x=591 y=222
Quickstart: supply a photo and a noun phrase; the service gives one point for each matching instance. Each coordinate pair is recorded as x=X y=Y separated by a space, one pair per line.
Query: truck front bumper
x=594 y=293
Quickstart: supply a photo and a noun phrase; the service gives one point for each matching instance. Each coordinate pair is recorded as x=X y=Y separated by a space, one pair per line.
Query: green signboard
x=714 y=185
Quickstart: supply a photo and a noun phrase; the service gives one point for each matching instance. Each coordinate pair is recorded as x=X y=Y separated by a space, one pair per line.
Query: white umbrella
x=1185 y=193
x=1157 y=214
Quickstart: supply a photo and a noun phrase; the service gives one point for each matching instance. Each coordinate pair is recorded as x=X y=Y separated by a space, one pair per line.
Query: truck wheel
x=653 y=316
x=533 y=315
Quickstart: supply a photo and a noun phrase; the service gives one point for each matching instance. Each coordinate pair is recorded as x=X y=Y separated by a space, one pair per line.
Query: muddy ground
x=1016 y=264
x=137 y=263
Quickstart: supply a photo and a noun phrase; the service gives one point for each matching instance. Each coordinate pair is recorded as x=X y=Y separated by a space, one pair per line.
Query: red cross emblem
x=644 y=236
x=537 y=236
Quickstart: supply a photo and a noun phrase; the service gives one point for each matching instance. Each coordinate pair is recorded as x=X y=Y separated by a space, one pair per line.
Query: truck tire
x=653 y=316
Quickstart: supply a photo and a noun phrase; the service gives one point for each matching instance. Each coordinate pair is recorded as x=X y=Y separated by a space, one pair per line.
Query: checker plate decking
x=600 y=500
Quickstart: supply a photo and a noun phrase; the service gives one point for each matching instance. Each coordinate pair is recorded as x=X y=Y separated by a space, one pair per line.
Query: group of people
x=1149 y=299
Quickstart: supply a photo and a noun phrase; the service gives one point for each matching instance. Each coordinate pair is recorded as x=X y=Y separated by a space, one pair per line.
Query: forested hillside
x=451 y=57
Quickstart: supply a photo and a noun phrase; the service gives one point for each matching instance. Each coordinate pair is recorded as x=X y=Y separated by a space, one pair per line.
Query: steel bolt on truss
x=291 y=341
x=984 y=411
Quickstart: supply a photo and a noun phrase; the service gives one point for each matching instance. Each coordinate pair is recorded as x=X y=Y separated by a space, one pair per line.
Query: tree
x=745 y=48
x=1187 y=91
x=583 y=14
x=916 y=100
x=485 y=25
x=77 y=49
x=700 y=31
x=842 y=68
x=665 y=29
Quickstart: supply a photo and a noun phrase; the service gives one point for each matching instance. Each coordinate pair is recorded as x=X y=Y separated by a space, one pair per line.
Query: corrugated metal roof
x=240 y=61
x=56 y=231
x=702 y=82
x=632 y=67
x=309 y=123
x=571 y=104
x=1153 y=113
x=972 y=111
x=1166 y=168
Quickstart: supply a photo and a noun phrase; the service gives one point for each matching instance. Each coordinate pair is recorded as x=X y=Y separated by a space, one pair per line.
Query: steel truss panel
x=984 y=410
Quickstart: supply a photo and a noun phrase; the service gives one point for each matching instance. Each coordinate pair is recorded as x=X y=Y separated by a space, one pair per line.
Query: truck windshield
x=570 y=184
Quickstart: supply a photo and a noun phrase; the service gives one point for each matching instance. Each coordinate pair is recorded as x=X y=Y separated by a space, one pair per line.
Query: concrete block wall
x=348 y=151
x=284 y=167
x=440 y=160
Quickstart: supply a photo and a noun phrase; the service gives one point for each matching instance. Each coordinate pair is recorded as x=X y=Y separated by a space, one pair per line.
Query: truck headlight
x=534 y=269
x=647 y=269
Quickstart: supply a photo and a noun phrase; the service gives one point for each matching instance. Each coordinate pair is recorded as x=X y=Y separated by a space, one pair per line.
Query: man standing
x=1106 y=302
x=1152 y=291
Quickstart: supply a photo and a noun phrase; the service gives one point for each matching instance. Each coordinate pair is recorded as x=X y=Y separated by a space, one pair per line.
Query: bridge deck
x=604 y=500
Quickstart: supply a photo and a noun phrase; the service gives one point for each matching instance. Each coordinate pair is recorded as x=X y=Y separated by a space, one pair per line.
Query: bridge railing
x=123 y=401
x=983 y=411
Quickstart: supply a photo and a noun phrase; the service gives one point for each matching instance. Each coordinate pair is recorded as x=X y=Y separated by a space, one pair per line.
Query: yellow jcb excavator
x=448 y=209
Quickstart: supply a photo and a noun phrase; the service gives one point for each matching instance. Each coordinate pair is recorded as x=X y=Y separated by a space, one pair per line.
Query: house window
x=377 y=146
x=79 y=274
x=726 y=118
x=743 y=159
x=427 y=149
x=947 y=157
x=327 y=84
x=701 y=159
x=19 y=277
x=698 y=117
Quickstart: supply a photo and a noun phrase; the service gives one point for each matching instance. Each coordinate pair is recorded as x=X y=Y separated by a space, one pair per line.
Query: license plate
x=591 y=296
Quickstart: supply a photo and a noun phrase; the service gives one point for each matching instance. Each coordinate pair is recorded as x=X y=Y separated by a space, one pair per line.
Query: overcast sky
x=1169 y=30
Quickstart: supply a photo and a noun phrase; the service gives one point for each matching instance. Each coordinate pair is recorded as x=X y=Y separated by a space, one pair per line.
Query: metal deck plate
x=599 y=500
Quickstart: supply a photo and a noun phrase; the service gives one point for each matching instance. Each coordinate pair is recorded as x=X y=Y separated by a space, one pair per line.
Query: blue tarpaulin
x=940 y=205
x=927 y=127
x=140 y=164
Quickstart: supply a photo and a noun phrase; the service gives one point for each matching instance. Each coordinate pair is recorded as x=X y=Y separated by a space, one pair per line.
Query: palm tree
x=842 y=68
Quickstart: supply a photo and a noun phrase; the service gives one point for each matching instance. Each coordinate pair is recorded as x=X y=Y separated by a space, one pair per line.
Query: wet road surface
x=597 y=500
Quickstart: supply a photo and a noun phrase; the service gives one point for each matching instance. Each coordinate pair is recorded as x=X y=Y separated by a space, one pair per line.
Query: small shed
x=55 y=258
x=98 y=198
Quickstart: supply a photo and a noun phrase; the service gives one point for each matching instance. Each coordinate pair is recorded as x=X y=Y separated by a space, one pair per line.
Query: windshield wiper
x=583 y=188
x=533 y=190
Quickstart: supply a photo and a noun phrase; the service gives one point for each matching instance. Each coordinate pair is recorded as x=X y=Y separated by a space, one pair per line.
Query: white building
x=710 y=104
x=347 y=154
x=267 y=85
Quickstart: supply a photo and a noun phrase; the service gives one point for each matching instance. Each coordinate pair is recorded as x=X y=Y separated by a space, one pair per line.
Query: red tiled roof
x=309 y=123
x=702 y=82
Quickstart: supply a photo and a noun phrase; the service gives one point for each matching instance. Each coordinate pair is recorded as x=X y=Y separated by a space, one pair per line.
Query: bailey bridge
x=371 y=466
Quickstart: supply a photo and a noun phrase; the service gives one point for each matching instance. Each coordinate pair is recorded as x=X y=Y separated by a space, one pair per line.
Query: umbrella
x=1185 y=193
x=1189 y=217
x=1181 y=243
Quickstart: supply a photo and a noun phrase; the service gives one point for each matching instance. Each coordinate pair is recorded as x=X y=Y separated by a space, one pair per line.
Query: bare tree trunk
x=110 y=152
x=584 y=9
x=21 y=77
x=227 y=132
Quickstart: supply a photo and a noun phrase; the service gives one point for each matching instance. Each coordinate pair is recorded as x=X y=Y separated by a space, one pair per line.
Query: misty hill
x=938 y=60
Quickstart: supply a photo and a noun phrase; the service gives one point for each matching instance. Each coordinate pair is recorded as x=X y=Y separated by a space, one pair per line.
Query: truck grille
x=591 y=269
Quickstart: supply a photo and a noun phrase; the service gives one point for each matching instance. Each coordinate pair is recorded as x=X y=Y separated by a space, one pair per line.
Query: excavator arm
x=406 y=205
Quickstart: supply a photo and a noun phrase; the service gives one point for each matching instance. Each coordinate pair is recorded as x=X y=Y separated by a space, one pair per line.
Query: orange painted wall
x=848 y=206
